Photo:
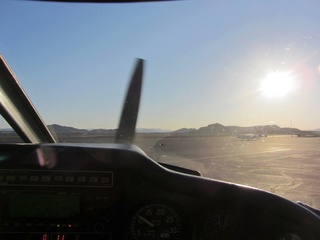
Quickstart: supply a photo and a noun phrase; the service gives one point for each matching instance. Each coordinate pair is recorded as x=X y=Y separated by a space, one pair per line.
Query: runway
x=284 y=165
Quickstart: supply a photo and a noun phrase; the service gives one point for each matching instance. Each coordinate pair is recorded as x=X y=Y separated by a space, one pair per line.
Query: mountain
x=263 y=129
x=214 y=129
x=64 y=129
x=218 y=129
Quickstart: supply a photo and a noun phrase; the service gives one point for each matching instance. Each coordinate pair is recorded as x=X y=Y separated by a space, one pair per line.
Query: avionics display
x=44 y=205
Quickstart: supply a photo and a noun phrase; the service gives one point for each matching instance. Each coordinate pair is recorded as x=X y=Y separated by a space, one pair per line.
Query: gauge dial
x=220 y=225
x=156 y=221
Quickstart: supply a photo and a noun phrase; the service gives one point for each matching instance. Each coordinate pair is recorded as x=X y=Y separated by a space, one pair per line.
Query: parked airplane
x=248 y=136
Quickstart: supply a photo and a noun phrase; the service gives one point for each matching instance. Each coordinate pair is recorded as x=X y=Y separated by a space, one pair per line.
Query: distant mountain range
x=215 y=129
x=218 y=129
x=64 y=129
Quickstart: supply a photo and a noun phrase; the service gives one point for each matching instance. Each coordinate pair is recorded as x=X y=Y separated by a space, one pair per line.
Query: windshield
x=231 y=88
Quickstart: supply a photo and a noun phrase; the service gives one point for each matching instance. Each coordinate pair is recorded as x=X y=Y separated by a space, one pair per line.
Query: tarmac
x=284 y=165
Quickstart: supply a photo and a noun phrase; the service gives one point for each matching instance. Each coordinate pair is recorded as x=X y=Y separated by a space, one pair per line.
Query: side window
x=7 y=134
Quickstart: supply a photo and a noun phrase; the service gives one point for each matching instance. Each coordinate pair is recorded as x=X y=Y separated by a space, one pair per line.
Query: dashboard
x=115 y=191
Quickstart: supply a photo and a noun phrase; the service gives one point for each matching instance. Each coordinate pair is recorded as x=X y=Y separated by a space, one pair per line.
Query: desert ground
x=284 y=165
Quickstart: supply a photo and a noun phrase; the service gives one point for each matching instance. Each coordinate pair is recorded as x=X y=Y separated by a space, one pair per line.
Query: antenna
x=128 y=120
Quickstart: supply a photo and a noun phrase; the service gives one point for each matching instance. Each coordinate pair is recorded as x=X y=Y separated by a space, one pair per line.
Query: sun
x=277 y=84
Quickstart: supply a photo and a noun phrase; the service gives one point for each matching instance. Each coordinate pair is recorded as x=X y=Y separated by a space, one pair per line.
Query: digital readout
x=44 y=206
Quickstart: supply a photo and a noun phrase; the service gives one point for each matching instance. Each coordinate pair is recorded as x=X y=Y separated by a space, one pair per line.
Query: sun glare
x=277 y=84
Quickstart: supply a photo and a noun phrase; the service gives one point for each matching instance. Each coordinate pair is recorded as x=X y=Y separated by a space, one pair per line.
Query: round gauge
x=156 y=221
x=219 y=225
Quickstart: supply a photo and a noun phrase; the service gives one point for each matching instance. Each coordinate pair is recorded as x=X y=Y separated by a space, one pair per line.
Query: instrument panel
x=69 y=192
x=62 y=203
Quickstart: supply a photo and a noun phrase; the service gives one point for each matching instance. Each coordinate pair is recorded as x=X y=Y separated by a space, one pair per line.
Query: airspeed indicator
x=156 y=221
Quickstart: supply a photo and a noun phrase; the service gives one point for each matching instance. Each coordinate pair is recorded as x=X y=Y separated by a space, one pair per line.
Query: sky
x=239 y=63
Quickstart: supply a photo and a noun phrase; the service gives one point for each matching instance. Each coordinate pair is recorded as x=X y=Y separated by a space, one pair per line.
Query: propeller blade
x=128 y=120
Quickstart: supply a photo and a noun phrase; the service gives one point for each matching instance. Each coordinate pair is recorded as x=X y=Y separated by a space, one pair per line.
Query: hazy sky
x=206 y=61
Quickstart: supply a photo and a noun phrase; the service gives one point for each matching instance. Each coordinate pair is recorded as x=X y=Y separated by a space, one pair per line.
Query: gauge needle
x=146 y=221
